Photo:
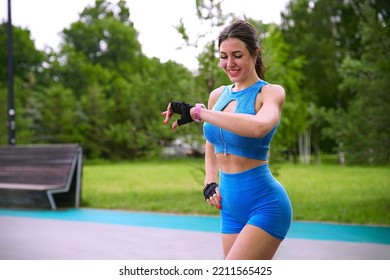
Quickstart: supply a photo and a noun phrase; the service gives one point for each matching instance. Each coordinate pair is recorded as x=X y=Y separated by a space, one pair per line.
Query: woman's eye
x=235 y=56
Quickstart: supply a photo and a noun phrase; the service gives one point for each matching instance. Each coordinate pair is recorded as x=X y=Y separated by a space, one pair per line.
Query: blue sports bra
x=227 y=142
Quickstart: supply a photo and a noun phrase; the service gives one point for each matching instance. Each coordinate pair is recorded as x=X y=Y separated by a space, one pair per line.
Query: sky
x=153 y=19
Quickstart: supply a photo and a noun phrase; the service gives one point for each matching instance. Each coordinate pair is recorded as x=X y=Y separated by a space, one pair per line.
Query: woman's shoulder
x=217 y=92
x=271 y=94
x=273 y=90
x=214 y=95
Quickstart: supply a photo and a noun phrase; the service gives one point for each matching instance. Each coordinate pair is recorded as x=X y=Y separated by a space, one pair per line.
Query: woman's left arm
x=273 y=97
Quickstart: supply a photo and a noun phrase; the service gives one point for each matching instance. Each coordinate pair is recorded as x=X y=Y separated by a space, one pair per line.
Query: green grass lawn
x=359 y=195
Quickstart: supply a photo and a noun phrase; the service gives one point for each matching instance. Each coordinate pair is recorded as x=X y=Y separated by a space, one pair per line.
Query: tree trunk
x=304 y=147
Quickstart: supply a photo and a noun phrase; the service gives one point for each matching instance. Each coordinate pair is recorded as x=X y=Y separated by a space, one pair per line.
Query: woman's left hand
x=181 y=108
x=168 y=114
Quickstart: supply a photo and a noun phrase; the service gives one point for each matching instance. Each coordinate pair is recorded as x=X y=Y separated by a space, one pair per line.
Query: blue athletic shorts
x=254 y=197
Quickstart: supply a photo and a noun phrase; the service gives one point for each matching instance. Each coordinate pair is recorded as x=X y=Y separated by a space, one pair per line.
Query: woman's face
x=235 y=60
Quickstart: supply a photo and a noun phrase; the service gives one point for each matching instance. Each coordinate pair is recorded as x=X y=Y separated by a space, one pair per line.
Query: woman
x=239 y=125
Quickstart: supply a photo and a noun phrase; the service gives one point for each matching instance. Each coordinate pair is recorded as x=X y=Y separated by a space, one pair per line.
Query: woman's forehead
x=232 y=44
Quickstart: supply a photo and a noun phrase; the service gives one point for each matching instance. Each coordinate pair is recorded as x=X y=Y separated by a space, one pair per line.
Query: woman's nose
x=230 y=62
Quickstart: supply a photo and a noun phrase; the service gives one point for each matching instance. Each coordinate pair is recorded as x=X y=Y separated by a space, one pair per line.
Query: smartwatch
x=198 y=106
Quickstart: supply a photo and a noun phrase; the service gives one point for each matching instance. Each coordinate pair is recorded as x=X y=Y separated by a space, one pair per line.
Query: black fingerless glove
x=209 y=190
x=183 y=109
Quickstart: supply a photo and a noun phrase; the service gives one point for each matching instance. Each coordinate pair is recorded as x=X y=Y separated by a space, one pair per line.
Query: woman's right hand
x=212 y=195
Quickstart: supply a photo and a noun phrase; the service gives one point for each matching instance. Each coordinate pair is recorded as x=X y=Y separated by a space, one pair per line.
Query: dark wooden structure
x=40 y=176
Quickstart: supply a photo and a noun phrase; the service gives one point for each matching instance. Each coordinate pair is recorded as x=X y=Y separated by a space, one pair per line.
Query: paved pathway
x=77 y=234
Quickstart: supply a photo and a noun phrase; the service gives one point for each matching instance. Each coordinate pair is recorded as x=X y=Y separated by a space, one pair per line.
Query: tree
x=102 y=42
x=95 y=117
x=61 y=116
x=280 y=69
x=209 y=75
x=101 y=61
x=98 y=89
x=327 y=34
x=27 y=59
x=211 y=18
x=27 y=65
x=365 y=133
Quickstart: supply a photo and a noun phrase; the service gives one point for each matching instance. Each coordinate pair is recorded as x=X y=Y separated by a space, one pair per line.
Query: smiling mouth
x=233 y=72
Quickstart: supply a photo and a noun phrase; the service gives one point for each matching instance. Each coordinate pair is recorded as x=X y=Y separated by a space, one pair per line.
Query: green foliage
x=100 y=90
x=26 y=58
x=211 y=18
x=27 y=65
x=280 y=69
x=95 y=119
x=311 y=28
x=64 y=126
x=345 y=46
x=366 y=135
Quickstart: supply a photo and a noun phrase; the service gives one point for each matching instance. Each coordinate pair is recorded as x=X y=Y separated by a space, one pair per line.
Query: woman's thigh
x=227 y=242
x=252 y=243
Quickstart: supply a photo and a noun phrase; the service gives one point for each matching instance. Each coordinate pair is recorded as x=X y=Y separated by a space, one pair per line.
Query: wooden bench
x=40 y=176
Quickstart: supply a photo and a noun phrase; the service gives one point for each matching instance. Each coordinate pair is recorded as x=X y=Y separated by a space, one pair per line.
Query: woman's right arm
x=211 y=163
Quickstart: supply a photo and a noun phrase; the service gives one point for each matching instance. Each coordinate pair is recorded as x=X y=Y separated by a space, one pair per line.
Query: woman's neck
x=238 y=86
